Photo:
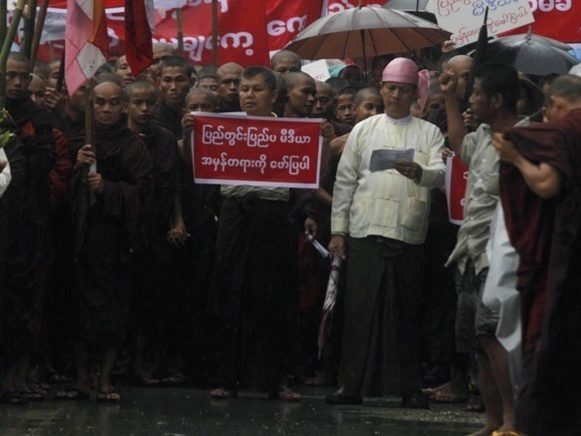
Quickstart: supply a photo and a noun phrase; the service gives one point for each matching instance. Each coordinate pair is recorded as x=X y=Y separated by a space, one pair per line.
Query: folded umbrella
x=329 y=305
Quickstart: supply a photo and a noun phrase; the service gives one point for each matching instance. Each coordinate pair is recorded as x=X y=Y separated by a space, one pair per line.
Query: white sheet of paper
x=318 y=70
x=386 y=158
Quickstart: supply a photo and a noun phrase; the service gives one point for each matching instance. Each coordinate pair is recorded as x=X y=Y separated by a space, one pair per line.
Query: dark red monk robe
x=545 y=234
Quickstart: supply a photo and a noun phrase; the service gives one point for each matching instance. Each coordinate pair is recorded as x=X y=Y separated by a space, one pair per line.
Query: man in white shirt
x=380 y=215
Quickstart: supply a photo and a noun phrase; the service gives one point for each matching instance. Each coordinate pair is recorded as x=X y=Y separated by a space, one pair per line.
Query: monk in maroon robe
x=110 y=189
x=541 y=197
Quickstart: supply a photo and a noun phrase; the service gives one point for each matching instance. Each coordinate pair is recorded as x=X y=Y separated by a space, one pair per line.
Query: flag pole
x=7 y=45
x=478 y=56
x=38 y=31
x=90 y=130
x=215 y=33
x=61 y=77
x=180 y=23
x=3 y=14
x=29 y=22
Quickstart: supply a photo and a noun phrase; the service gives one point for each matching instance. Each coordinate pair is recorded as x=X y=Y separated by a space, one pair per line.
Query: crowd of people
x=114 y=264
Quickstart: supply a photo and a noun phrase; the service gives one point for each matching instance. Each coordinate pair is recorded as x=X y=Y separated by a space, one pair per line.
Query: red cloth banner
x=341 y=5
x=285 y=19
x=242 y=31
x=557 y=19
x=456 y=178
x=257 y=151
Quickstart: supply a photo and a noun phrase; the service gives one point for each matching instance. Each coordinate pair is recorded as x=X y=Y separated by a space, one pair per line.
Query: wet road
x=182 y=411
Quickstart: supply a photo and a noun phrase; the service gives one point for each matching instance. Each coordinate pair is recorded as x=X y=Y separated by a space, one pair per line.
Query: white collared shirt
x=385 y=203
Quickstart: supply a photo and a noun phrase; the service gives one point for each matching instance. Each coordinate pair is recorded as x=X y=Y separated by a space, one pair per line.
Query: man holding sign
x=254 y=286
x=381 y=201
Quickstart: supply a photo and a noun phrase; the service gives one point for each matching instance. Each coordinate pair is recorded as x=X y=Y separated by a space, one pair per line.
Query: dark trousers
x=381 y=333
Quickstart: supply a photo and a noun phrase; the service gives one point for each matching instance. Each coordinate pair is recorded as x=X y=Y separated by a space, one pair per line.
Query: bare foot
x=432 y=391
x=486 y=431
x=450 y=394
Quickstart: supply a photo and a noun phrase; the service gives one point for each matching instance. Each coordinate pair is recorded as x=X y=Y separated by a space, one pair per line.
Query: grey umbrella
x=366 y=31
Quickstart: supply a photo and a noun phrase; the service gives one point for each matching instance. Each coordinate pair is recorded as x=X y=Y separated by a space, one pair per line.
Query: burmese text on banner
x=456 y=178
x=464 y=18
x=256 y=151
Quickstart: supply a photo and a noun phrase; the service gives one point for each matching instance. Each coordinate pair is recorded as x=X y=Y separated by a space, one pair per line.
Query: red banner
x=456 y=178
x=256 y=151
x=242 y=32
x=285 y=19
x=341 y=5
x=557 y=19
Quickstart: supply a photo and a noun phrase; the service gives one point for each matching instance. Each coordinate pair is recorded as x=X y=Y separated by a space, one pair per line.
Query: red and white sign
x=256 y=151
x=456 y=178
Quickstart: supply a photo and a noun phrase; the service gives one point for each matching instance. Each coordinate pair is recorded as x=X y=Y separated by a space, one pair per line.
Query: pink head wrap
x=404 y=70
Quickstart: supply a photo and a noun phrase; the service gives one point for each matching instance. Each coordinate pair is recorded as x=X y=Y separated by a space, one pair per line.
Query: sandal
x=475 y=404
x=285 y=395
x=31 y=395
x=174 y=380
x=150 y=381
x=319 y=380
x=72 y=394
x=13 y=399
x=108 y=397
x=223 y=394
x=448 y=398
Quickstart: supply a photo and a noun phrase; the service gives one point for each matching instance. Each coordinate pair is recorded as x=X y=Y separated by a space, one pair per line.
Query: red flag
x=86 y=41
x=137 y=36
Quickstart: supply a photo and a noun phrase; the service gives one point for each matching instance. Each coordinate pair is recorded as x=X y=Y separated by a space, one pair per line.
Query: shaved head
x=325 y=88
x=161 y=49
x=366 y=93
x=229 y=68
x=567 y=87
x=285 y=61
x=18 y=57
x=139 y=86
x=461 y=66
x=205 y=93
x=293 y=78
x=460 y=63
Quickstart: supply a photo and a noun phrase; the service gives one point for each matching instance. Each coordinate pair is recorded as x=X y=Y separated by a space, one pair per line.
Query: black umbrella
x=533 y=54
